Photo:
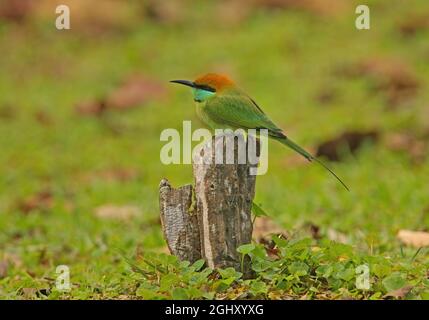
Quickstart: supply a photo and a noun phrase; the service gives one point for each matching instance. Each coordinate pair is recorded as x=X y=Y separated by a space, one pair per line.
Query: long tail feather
x=286 y=141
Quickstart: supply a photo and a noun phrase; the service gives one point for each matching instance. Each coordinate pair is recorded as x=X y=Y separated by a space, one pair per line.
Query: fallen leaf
x=350 y=140
x=414 y=238
x=91 y=107
x=13 y=259
x=399 y=293
x=15 y=10
x=110 y=211
x=29 y=293
x=232 y=13
x=135 y=91
x=413 y=24
x=264 y=227
x=164 y=12
x=43 y=118
x=42 y=200
x=415 y=147
x=337 y=236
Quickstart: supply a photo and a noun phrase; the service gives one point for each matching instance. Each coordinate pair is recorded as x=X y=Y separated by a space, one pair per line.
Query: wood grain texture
x=224 y=195
x=179 y=221
x=220 y=220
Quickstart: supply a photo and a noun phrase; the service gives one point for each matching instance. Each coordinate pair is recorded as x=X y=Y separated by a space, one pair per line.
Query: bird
x=221 y=104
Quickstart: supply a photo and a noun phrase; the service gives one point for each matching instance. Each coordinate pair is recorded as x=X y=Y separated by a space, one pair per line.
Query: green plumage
x=233 y=109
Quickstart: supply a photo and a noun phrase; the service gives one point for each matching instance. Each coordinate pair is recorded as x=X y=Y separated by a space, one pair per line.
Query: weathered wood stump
x=179 y=221
x=213 y=219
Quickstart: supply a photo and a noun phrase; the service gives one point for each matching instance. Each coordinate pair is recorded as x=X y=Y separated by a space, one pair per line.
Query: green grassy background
x=284 y=58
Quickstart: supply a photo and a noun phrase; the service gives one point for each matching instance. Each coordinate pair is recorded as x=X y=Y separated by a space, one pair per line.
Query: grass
x=283 y=58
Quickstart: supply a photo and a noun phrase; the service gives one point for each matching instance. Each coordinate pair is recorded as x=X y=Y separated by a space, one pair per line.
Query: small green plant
x=302 y=268
x=245 y=249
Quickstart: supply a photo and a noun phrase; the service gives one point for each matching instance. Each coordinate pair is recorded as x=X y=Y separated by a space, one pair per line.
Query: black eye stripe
x=205 y=87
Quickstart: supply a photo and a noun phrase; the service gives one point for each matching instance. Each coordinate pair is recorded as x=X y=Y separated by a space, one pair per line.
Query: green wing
x=237 y=110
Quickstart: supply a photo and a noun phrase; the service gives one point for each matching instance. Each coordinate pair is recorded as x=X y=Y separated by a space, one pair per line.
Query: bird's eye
x=205 y=87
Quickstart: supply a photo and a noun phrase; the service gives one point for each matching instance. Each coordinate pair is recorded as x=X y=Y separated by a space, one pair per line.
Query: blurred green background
x=81 y=112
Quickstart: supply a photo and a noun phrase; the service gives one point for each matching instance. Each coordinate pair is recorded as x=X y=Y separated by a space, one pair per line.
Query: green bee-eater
x=222 y=105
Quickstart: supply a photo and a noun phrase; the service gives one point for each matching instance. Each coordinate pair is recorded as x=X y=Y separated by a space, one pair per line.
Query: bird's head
x=207 y=86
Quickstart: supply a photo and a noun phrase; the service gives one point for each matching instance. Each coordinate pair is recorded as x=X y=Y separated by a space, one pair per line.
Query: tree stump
x=220 y=220
x=179 y=221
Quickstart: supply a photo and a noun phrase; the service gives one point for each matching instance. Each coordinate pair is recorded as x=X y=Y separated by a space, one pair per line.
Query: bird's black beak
x=185 y=83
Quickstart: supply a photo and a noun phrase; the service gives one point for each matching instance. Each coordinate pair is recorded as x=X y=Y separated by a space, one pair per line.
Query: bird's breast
x=204 y=116
x=201 y=113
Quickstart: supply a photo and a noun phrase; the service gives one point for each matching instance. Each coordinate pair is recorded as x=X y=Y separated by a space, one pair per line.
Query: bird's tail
x=286 y=141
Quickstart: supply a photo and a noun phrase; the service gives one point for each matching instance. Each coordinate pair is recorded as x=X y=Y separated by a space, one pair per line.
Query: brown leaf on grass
x=264 y=227
x=164 y=12
x=91 y=107
x=12 y=259
x=414 y=238
x=43 y=118
x=29 y=293
x=337 y=236
x=416 y=148
x=135 y=91
x=392 y=77
x=351 y=140
x=413 y=24
x=399 y=293
x=111 y=211
x=15 y=10
x=232 y=13
x=42 y=200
